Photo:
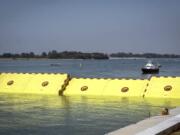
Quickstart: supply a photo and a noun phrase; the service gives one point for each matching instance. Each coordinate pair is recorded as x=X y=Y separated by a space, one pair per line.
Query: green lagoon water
x=78 y=115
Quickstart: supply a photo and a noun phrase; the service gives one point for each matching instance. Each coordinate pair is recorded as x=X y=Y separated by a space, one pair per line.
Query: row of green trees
x=57 y=55
x=144 y=55
x=81 y=55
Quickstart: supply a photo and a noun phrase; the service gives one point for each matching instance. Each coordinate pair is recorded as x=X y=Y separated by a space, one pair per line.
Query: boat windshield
x=149 y=65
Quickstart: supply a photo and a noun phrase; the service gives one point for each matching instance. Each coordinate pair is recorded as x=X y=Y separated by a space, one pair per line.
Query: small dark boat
x=150 y=68
x=55 y=65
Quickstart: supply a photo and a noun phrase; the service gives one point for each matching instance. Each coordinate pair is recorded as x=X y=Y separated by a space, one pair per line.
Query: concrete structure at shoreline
x=157 y=125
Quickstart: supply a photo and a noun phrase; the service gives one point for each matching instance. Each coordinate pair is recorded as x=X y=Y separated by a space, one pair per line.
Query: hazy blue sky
x=90 y=25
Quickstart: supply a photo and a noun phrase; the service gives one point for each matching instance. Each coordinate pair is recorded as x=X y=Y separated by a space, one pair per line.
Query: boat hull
x=150 y=71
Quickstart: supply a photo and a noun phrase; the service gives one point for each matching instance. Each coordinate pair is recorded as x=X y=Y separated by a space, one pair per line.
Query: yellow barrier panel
x=46 y=83
x=125 y=88
x=86 y=86
x=14 y=82
x=1 y=77
x=164 y=87
x=32 y=83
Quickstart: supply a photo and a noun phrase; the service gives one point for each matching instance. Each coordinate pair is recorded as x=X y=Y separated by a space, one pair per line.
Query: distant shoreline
x=83 y=55
x=110 y=58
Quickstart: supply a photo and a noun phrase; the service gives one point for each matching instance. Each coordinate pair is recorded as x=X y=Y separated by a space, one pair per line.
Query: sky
x=109 y=26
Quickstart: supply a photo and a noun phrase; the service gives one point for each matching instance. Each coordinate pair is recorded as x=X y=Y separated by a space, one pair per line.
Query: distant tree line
x=57 y=55
x=81 y=55
x=144 y=55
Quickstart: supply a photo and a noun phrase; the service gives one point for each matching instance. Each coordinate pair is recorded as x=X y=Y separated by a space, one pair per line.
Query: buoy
x=80 y=65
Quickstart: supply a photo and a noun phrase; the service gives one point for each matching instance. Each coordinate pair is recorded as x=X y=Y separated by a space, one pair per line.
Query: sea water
x=113 y=68
x=76 y=115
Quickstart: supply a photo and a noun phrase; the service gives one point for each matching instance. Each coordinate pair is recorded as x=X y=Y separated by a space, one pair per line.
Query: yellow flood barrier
x=32 y=83
x=44 y=83
x=125 y=87
x=163 y=87
x=106 y=87
x=86 y=86
x=14 y=82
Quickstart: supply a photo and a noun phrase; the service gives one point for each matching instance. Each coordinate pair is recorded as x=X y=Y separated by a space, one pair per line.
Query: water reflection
x=37 y=114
